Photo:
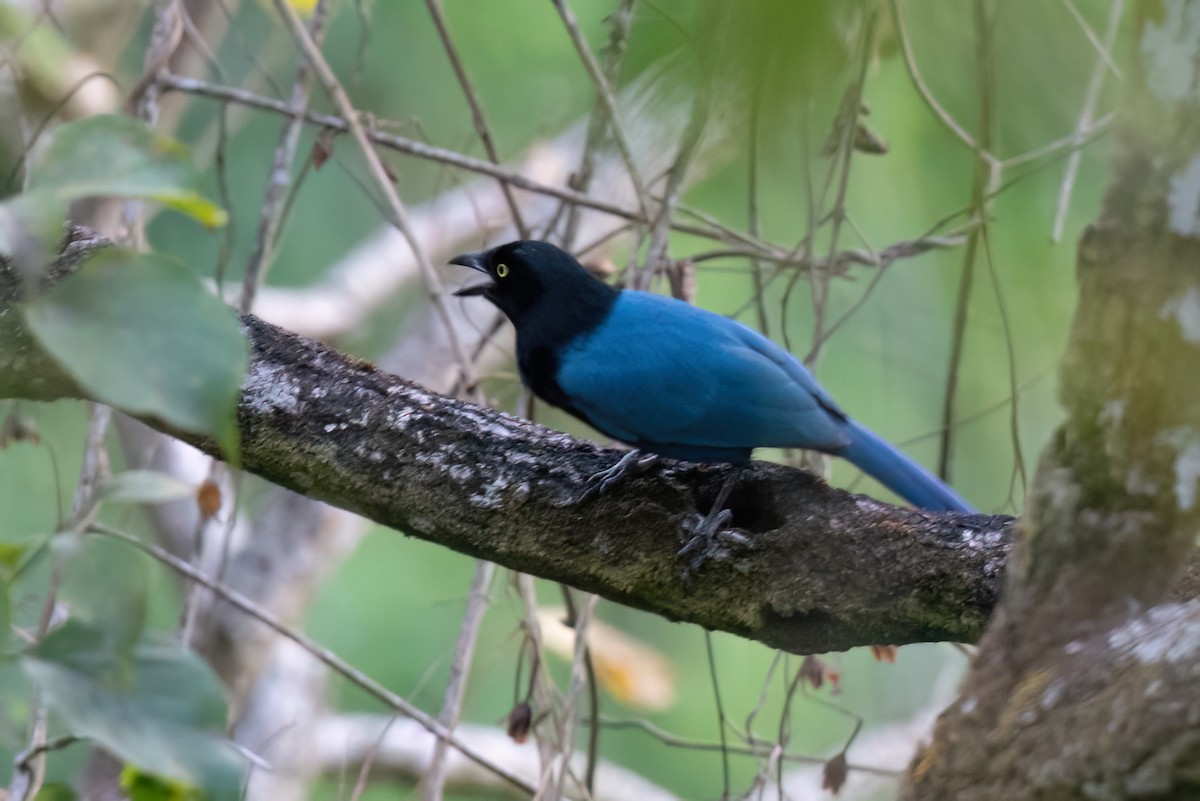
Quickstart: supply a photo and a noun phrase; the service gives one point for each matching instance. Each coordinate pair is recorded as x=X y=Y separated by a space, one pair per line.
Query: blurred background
x=928 y=143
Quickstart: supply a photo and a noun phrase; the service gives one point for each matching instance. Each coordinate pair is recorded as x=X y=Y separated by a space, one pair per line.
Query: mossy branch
x=824 y=569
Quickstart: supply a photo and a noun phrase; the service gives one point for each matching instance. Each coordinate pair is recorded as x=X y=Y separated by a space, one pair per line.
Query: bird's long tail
x=891 y=468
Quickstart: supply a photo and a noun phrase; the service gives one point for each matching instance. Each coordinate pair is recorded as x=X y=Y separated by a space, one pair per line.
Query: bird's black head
x=528 y=275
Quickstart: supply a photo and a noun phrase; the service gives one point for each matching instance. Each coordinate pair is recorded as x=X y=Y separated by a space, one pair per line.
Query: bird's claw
x=632 y=462
x=709 y=538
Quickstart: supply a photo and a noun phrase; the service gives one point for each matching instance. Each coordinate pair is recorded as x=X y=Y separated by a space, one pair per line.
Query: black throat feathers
x=564 y=311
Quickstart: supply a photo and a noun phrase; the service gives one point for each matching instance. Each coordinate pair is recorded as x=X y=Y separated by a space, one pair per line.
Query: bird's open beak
x=476 y=261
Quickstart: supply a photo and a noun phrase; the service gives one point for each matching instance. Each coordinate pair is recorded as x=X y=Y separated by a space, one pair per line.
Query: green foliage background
x=393 y=608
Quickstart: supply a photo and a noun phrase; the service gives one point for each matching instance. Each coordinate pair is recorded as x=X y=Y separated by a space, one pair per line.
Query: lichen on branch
x=823 y=570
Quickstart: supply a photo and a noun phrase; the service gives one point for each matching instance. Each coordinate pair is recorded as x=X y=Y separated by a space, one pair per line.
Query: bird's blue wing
x=659 y=371
x=687 y=383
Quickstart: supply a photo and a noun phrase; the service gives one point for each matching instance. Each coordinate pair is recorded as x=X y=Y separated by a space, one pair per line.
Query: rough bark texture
x=825 y=569
x=1087 y=683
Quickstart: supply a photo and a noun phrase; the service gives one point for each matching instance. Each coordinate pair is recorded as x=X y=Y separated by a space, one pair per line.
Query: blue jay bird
x=672 y=379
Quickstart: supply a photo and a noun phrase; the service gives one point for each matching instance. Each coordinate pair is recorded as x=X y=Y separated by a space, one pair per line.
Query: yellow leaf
x=304 y=8
x=633 y=672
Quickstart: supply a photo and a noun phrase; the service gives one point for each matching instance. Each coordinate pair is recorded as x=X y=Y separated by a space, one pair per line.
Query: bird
x=671 y=379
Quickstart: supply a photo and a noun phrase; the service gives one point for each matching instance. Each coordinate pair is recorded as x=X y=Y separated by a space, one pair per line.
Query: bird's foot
x=709 y=538
x=632 y=462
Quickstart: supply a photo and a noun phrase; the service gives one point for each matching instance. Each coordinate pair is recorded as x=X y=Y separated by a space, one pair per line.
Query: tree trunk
x=1087 y=681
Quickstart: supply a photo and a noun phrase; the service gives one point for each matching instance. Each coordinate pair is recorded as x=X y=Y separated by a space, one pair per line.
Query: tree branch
x=824 y=570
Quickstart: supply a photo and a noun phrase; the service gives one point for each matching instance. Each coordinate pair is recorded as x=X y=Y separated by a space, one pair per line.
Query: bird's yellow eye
x=501 y=270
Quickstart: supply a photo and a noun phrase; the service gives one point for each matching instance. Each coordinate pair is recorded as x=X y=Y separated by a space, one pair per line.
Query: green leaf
x=142 y=786
x=144 y=486
x=17 y=557
x=55 y=791
x=117 y=156
x=138 y=332
x=11 y=554
x=100 y=156
x=165 y=715
x=105 y=586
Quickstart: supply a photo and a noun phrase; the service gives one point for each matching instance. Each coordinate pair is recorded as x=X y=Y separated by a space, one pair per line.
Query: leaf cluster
x=137 y=331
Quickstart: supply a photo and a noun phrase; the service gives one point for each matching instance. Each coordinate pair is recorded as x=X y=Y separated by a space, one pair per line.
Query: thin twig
x=1086 y=137
x=143 y=98
x=989 y=409
x=364 y=770
x=752 y=218
x=29 y=766
x=400 y=216
x=343 y=740
x=566 y=734
x=604 y=92
x=1103 y=49
x=1090 y=98
x=716 y=688
x=724 y=232
x=756 y=751
x=757 y=709
x=914 y=74
x=273 y=207
x=812 y=221
x=1014 y=417
x=771 y=763
x=322 y=654
x=460 y=668
x=196 y=39
x=900 y=250
x=166 y=35
x=248 y=50
x=622 y=22
x=51 y=115
x=412 y=147
x=656 y=253
x=852 y=106
x=850 y=312
x=986 y=176
x=52 y=744
x=477 y=117
x=785 y=722
x=541 y=690
x=593 y=723
x=593 y=749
